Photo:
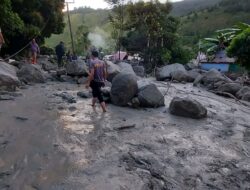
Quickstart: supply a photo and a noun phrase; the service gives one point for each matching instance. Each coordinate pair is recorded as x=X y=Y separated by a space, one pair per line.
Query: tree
x=240 y=48
x=81 y=37
x=153 y=29
x=21 y=20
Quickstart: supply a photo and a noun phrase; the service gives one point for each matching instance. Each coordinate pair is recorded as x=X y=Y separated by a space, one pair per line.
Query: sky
x=95 y=4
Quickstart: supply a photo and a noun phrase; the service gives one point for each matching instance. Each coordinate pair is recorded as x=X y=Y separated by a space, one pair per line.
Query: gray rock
x=31 y=74
x=150 y=96
x=77 y=68
x=135 y=103
x=242 y=92
x=83 y=94
x=8 y=77
x=65 y=96
x=61 y=72
x=246 y=97
x=213 y=76
x=165 y=72
x=143 y=82
x=126 y=68
x=112 y=70
x=231 y=88
x=48 y=66
x=187 y=107
x=193 y=74
x=124 y=88
x=106 y=91
x=181 y=76
x=139 y=71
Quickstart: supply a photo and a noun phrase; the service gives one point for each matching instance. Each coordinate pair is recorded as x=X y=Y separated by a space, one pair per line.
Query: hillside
x=199 y=19
x=203 y=23
x=184 y=7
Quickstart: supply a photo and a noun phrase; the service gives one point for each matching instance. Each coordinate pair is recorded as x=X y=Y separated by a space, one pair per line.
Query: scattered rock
x=77 y=68
x=65 y=96
x=242 y=92
x=21 y=118
x=139 y=71
x=48 y=66
x=187 y=107
x=126 y=68
x=231 y=88
x=213 y=76
x=193 y=74
x=112 y=70
x=165 y=72
x=135 y=103
x=31 y=74
x=83 y=94
x=125 y=127
x=61 y=72
x=106 y=91
x=150 y=96
x=124 y=88
x=8 y=77
x=181 y=76
x=6 y=97
x=246 y=97
x=72 y=108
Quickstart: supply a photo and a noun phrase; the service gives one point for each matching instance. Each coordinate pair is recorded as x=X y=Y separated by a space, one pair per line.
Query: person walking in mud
x=96 y=79
x=60 y=51
x=34 y=51
x=1 y=40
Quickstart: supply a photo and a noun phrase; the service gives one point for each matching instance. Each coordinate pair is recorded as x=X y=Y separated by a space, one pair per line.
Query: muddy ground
x=47 y=143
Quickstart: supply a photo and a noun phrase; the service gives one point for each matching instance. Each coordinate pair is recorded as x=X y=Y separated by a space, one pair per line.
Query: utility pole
x=70 y=27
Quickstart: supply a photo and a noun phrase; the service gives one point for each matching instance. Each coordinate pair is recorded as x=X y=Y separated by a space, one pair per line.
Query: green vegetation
x=21 y=20
x=240 y=48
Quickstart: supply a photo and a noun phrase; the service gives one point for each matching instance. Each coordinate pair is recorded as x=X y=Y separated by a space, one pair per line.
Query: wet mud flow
x=49 y=143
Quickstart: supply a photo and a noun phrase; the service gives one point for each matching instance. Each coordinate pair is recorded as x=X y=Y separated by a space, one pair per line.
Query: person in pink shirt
x=34 y=51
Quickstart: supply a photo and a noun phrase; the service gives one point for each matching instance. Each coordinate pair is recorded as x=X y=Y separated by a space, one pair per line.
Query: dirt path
x=47 y=143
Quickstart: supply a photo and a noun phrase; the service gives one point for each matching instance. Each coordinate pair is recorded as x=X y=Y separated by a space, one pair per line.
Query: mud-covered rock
x=231 y=88
x=67 y=97
x=187 y=107
x=83 y=94
x=193 y=74
x=242 y=92
x=8 y=77
x=77 y=68
x=181 y=76
x=165 y=72
x=139 y=71
x=246 y=97
x=31 y=74
x=213 y=76
x=126 y=68
x=150 y=96
x=124 y=88
x=112 y=70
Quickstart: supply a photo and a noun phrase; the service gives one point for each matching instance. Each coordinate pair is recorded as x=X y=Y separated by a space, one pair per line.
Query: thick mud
x=49 y=143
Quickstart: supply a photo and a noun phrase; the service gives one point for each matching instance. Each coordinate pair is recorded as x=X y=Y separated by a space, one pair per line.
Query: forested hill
x=199 y=24
x=199 y=18
x=184 y=7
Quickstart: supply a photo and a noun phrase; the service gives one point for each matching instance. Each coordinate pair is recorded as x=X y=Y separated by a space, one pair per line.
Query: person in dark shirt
x=60 y=51
x=97 y=77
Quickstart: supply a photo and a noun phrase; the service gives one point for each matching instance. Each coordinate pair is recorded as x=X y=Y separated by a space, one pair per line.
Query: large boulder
x=124 y=88
x=139 y=71
x=165 y=72
x=193 y=74
x=213 y=76
x=77 y=68
x=181 y=76
x=126 y=68
x=150 y=96
x=31 y=74
x=8 y=78
x=242 y=92
x=187 y=107
x=231 y=88
x=48 y=66
x=112 y=70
